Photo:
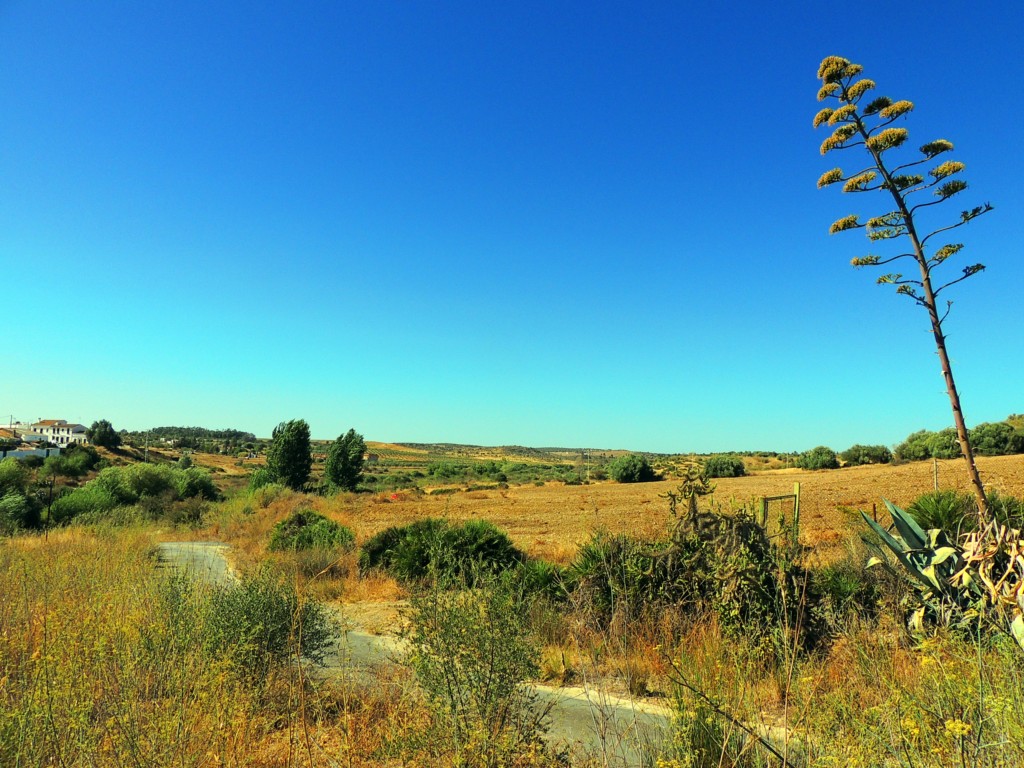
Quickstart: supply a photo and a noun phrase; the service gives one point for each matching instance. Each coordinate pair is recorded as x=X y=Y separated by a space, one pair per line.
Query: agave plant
x=977 y=582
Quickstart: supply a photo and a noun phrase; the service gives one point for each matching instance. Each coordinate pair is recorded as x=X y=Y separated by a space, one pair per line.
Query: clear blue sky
x=538 y=223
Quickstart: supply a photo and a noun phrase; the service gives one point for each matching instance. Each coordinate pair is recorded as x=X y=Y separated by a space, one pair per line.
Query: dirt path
x=203 y=559
x=624 y=733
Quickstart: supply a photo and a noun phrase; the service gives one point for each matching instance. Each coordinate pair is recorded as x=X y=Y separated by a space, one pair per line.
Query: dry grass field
x=550 y=521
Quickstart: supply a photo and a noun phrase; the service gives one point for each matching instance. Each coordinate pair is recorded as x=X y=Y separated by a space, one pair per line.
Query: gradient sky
x=537 y=223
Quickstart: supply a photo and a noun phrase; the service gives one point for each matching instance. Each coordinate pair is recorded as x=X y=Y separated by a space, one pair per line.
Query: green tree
x=290 y=456
x=821 y=457
x=103 y=434
x=724 y=466
x=632 y=468
x=344 y=465
x=870 y=125
x=858 y=454
x=996 y=439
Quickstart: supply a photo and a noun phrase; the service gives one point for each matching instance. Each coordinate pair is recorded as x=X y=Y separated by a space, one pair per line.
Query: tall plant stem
x=928 y=300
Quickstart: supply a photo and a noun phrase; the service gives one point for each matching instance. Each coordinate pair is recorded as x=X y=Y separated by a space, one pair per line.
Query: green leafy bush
x=927 y=445
x=619 y=572
x=433 y=548
x=74 y=461
x=260 y=477
x=821 y=457
x=306 y=529
x=192 y=482
x=472 y=652
x=711 y=562
x=632 y=468
x=91 y=499
x=17 y=512
x=153 y=487
x=724 y=466
x=14 y=476
x=261 y=622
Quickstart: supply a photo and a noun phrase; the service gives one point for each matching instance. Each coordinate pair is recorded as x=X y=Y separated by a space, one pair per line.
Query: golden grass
x=551 y=521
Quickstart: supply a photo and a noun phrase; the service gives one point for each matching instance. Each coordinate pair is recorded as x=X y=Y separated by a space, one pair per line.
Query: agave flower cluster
x=858 y=122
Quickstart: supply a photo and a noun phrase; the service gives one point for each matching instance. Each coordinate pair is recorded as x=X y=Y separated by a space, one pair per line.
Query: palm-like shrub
x=306 y=529
x=950 y=511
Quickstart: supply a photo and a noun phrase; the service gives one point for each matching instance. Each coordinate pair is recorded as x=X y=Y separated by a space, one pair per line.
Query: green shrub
x=265 y=495
x=14 y=476
x=305 y=529
x=619 y=572
x=260 y=623
x=75 y=461
x=821 y=457
x=432 y=548
x=91 y=498
x=914 y=448
x=1008 y=510
x=632 y=468
x=724 y=466
x=260 y=477
x=153 y=487
x=539 y=577
x=192 y=482
x=712 y=562
x=17 y=512
x=472 y=652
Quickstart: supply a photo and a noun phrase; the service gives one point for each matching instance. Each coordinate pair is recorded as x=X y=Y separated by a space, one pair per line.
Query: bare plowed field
x=552 y=520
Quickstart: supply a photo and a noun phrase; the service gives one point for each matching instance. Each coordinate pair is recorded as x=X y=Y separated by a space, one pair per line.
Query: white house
x=56 y=431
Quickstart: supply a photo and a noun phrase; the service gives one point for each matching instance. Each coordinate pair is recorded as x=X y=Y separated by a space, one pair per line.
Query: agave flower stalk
x=857 y=122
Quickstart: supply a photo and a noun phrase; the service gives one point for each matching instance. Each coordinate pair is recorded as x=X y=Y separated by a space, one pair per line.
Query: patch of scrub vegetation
x=436 y=549
x=139 y=666
x=305 y=529
x=151 y=489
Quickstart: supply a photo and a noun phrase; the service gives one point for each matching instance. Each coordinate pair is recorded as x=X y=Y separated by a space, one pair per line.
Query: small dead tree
x=869 y=124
